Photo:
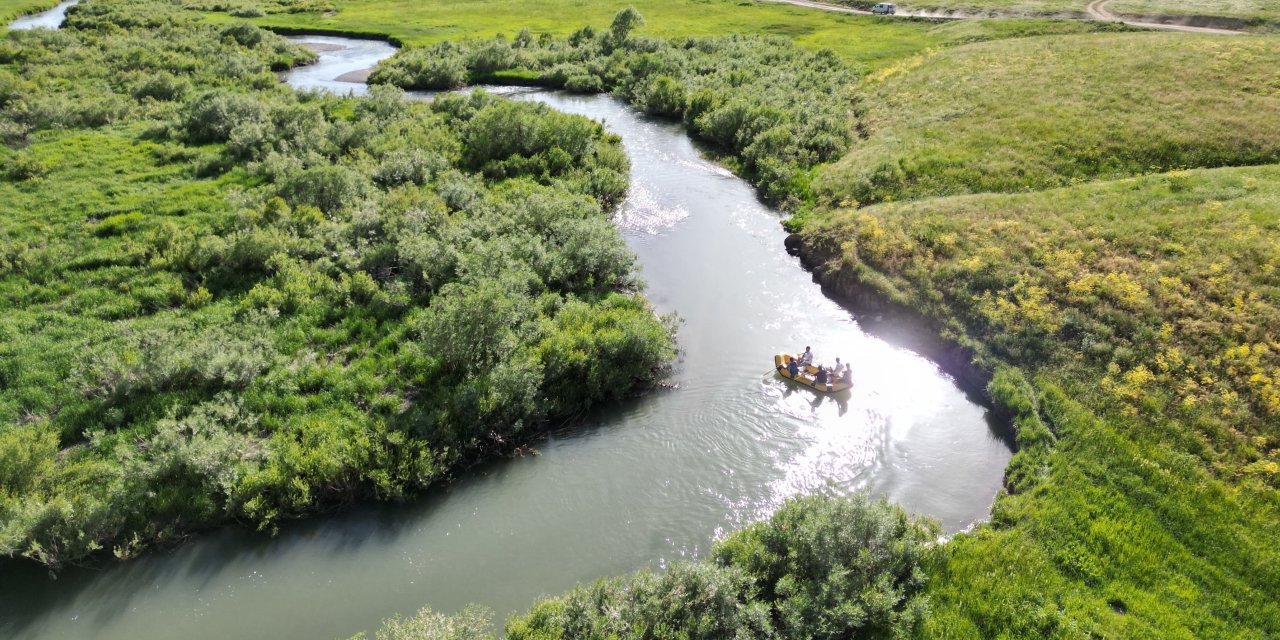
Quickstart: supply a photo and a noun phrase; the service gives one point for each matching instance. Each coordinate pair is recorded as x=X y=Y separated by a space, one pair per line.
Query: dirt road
x=1097 y=10
x=824 y=6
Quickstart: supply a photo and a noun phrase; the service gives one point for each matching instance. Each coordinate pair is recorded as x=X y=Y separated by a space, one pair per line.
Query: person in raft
x=793 y=368
x=821 y=377
x=846 y=376
x=806 y=358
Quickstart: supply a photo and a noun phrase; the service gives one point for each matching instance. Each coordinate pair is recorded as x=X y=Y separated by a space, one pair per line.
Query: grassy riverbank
x=224 y=300
x=1138 y=318
x=10 y=9
x=1025 y=115
x=1131 y=322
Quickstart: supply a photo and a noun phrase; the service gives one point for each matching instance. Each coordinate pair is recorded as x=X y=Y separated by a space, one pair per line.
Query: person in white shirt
x=806 y=358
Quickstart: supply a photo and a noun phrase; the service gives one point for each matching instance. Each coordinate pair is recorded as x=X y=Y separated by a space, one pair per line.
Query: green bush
x=836 y=568
x=472 y=623
x=213 y=115
x=821 y=567
x=119 y=223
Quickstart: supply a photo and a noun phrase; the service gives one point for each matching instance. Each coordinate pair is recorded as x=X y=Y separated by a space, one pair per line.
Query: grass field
x=864 y=40
x=1031 y=114
x=1139 y=319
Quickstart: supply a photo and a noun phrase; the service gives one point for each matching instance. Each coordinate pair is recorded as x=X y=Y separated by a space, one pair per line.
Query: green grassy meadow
x=863 y=40
x=1024 y=115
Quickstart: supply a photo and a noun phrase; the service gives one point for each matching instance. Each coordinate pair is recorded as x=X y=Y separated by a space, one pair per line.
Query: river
x=644 y=483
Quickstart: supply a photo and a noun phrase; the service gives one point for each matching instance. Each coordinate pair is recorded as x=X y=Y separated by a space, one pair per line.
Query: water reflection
x=643 y=483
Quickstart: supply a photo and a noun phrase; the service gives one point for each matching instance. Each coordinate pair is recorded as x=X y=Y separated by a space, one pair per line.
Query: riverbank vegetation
x=224 y=299
x=780 y=110
x=1130 y=321
x=821 y=567
x=1138 y=319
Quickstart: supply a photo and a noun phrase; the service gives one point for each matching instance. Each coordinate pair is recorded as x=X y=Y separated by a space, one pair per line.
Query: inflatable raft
x=805 y=377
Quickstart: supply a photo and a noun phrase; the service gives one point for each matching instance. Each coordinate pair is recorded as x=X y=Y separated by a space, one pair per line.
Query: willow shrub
x=821 y=567
x=776 y=109
x=230 y=300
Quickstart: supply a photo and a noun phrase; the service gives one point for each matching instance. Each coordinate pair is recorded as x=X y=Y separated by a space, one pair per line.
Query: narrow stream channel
x=644 y=483
x=50 y=19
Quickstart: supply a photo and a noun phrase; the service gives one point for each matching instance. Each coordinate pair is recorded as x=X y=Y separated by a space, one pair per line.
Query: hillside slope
x=1037 y=113
x=1133 y=328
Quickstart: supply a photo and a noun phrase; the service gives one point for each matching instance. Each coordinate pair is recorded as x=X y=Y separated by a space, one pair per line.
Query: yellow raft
x=805 y=377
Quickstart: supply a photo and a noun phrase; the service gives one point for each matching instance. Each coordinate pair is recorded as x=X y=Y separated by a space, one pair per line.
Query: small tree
x=623 y=22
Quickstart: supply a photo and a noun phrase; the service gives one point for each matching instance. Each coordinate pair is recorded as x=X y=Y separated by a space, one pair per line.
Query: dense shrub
x=442 y=66
x=780 y=109
x=836 y=568
x=224 y=299
x=213 y=115
x=821 y=567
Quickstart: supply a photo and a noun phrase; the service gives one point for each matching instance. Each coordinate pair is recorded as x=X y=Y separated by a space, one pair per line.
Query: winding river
x=644 y=483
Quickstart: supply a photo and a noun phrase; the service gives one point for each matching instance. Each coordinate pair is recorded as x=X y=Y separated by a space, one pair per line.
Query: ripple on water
x=644 y=211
